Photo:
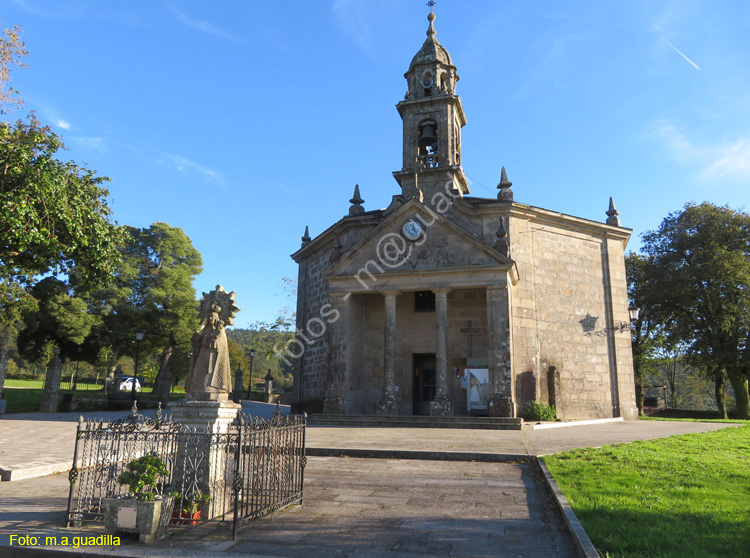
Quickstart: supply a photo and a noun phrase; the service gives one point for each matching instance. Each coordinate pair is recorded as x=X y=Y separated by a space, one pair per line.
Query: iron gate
x=232 y=478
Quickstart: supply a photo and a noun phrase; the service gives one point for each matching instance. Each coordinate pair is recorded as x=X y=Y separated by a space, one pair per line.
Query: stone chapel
x=444 y=304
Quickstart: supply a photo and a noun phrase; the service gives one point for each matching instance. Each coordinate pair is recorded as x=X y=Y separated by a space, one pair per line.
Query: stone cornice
x=436 y=100
x=492 y=208
x=369 y=218
x=426 y=279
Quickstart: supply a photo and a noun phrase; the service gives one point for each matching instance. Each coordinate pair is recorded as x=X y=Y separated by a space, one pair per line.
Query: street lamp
x=237 y=396
x=250 y=384
x=633 y=314
x=138 y=339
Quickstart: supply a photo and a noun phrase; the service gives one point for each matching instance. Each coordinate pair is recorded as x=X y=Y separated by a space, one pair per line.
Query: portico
x=381 y=329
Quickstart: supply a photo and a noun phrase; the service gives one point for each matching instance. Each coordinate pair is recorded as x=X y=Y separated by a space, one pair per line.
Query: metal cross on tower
x=470 y=330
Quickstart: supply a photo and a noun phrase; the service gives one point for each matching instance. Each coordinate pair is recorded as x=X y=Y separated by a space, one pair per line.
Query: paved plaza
x=354 y=507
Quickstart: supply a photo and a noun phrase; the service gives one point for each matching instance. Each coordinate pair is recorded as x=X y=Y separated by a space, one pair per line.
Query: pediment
x=443 y=245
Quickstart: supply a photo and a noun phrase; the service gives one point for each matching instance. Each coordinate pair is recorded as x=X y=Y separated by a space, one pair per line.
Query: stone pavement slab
x=353 y=508
x=507 y=442
x=38 y=444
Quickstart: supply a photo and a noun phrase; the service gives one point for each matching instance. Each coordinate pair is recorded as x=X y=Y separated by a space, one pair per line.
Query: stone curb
x=420 y=455
x=37 y=552
x=10 y=474
x=583 y=544
x=572 y=423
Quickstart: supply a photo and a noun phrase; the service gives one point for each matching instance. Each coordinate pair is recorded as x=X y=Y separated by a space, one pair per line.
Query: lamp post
x=250 y=384
x=237 y=397
x=138 y=339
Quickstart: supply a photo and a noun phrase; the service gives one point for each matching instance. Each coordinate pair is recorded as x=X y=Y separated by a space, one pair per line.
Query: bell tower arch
x=432 y=117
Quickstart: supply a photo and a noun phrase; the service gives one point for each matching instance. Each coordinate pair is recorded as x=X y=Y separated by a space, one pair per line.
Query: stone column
x=338 y=347
x=441 y=406
x=51 y=395
x=502 y=400
x=388 y=404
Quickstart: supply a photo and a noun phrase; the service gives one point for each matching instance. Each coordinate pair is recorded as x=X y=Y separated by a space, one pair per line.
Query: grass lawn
x=684 y=496
x=30 y=384
x=728 y=421
x=29 y=399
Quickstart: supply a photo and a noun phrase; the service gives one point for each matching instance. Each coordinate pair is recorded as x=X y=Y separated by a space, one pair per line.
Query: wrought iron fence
x=230 y=478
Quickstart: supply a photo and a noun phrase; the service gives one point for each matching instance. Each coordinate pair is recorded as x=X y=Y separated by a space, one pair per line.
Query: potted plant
x=188 y=508
x=145 y=510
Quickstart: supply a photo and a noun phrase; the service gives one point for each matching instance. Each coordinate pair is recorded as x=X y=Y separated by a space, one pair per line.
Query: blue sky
x=241 y=122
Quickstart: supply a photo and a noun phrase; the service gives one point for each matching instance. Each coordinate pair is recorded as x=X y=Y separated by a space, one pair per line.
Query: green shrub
x=539 y=411
x=143 y=476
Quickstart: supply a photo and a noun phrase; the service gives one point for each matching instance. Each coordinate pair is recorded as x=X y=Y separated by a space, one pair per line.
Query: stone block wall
x=563 y=314
x=312 y=363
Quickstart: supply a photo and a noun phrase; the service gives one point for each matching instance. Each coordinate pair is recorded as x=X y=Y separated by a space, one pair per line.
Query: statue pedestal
x=201 y=462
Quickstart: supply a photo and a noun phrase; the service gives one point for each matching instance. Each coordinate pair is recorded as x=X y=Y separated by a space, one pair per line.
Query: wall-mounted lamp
x=633 y=313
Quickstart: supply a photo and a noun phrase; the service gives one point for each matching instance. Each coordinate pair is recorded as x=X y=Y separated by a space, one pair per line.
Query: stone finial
x=612 y=214
x=306 y=237
x=502 y=244
x=431 y=28
x=356 y=201
x=505 y=194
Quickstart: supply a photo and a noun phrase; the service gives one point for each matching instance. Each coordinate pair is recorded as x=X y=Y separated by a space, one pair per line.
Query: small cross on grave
x=470 y=330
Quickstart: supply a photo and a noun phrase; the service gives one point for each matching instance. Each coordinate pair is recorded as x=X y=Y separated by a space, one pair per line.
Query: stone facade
x=396 y=305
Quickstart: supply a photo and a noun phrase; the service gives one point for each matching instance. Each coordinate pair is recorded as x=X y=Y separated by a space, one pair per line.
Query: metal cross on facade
x=470 y=330
x=431 y=4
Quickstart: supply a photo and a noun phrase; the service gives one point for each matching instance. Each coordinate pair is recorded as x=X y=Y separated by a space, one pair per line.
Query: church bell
x=427 y=136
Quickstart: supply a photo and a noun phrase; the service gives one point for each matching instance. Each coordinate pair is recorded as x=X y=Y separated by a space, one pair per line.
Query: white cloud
x=89 y=142
x=65 y=125
x=351 y=17
x=733 y=160
x=201 y=25
x=186 y=165
x=727 y=159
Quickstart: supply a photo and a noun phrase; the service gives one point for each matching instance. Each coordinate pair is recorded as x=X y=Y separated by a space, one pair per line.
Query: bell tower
x=432 y=117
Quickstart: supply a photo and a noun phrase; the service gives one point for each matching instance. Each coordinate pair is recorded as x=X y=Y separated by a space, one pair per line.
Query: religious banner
x=478 y=394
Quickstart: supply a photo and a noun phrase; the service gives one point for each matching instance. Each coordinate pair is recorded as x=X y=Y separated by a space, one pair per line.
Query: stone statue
x=210 y=375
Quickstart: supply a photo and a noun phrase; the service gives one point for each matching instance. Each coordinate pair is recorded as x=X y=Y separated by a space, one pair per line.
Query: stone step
x=479 y=423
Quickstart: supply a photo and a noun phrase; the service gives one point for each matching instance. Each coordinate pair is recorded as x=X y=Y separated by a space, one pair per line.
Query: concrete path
x=507 y=442
x=38 y=444
x=354 y=508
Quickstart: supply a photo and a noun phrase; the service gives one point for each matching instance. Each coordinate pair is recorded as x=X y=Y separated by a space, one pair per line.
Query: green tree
x=60 y=320
x=701 y=259
x=647 y=335
x=262 y=337
x=152 y=290
x=11 y=52
x=7 y=342
x=53 y=216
